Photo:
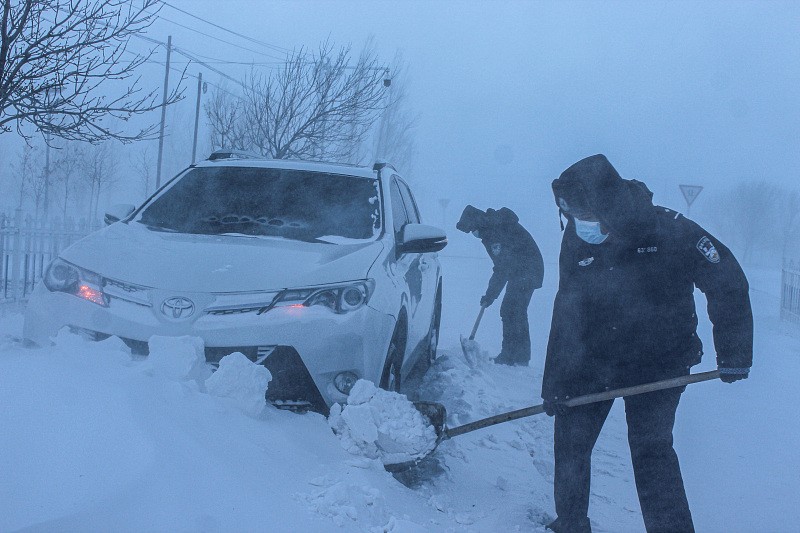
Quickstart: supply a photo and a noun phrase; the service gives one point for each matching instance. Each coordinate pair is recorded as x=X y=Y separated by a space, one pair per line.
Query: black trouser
x=514 y=313
x=650 y=417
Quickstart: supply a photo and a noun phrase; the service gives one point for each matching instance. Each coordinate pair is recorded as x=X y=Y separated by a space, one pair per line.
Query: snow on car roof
x=294 y=164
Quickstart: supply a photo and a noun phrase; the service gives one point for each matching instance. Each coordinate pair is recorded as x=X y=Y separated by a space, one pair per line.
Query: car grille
x=128 y=292
x=291 y=387
x=236 y=310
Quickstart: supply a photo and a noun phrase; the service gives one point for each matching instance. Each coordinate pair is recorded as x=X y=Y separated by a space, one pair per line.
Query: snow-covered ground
x=94 y=440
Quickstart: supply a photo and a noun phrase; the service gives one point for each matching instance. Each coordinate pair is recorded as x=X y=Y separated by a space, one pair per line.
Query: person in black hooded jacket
x=517 y=264
x=624 y=315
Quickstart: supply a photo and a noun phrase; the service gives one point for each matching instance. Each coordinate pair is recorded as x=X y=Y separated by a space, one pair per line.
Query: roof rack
x=233 y=154
x=381 y=164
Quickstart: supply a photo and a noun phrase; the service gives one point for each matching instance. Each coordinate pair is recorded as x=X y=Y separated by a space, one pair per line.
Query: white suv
x=322 y=272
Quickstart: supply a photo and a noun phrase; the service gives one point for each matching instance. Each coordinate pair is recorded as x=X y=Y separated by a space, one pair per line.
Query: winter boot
x=574 y=525
x=503 y=359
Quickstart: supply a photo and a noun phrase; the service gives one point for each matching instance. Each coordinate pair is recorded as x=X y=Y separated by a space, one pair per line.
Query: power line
x=224 y=62
x=217 y=38
x=211 y=59
x=183 y=72
x=209 y=67
x=245 y=37
x=193 y=58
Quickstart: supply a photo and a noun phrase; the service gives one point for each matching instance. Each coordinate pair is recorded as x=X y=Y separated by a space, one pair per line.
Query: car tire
x=391 y=378
x=436 y=324
x=432 y=339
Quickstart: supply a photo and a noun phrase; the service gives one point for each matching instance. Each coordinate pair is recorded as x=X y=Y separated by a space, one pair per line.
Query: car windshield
x=292 y=204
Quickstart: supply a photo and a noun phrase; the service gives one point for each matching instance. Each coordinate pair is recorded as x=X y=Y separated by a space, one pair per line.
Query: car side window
x=411 y=204
x=399 y=217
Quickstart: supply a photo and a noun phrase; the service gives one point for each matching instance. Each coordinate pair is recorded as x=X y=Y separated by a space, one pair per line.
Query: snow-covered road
x=93 y=440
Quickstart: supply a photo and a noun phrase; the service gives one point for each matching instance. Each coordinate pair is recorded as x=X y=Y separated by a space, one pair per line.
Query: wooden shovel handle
x=477 y=322
x=582 y=400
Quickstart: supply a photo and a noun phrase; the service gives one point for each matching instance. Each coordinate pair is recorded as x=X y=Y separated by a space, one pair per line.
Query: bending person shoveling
x=383 y=425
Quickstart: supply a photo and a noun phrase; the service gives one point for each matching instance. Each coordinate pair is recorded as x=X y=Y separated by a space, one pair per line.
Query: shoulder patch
x=586 y=262
x=708 y=249
x=496 y=249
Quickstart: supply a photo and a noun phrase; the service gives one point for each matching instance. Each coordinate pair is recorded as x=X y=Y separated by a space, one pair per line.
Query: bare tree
x=759 y=217
x=100 y=171
x=317 y=105
x=28 y=168
x=56 y=54
x=225 y=114
x=395 y=138
x=788 y=211
x=68 y=162
x=6 y=180
x=142 y=163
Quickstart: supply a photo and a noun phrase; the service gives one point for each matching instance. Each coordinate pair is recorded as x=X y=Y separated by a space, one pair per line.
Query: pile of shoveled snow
x=239 y=380
x=384 y=425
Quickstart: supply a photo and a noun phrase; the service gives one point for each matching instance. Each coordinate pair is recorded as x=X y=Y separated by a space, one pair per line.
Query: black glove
x=486 y=301
x=729 y=375
x=554 y=408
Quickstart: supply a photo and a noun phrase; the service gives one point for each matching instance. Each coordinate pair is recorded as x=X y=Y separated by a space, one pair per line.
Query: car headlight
x=66 y=277
x=341 y=299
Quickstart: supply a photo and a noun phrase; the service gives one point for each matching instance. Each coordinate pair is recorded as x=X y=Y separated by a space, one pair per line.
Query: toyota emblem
x=177 y=307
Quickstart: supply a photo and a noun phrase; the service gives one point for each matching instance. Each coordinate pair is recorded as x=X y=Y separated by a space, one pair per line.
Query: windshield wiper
x=159 y=228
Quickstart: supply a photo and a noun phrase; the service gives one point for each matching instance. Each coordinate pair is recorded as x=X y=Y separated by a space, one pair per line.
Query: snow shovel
x=437 y=414
x=471 y=348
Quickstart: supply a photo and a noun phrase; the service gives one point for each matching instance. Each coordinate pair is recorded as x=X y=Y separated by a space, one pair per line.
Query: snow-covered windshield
x=293 y=204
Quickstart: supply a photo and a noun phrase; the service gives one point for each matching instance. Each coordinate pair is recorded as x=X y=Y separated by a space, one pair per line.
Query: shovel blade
x=435 y=413
x=437 y=416
x=471 y=350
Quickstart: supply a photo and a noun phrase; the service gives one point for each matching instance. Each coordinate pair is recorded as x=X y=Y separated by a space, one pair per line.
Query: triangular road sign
x=690 y=192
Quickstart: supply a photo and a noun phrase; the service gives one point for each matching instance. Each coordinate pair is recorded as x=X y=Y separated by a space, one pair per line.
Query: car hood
x=217 y=263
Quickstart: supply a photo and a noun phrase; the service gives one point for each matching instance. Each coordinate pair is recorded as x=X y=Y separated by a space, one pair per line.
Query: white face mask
x=476 y=233
x=590 y=231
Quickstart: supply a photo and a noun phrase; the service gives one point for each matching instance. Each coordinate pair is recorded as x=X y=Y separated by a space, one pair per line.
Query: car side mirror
x=420 y=239
x=118 y=212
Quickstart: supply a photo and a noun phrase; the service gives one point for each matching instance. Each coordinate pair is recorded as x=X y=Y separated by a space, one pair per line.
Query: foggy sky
x=511 y=93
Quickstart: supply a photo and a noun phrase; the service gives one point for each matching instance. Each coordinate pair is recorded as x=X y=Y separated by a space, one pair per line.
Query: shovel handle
x=477 y=322
x=582 y=400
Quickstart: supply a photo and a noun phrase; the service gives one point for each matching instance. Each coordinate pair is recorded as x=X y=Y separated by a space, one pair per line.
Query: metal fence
x=27 y=245
x=790 y=292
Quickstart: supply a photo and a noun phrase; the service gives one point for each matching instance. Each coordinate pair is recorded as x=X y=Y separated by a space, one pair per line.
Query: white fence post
x=16 y=256
x=790 y=292
x=27 y=245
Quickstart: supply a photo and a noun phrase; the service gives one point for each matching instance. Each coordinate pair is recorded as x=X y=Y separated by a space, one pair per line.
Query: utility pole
x=197 y=116
x=163 y=115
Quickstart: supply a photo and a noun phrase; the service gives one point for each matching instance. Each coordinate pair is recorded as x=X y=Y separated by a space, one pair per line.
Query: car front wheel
x=391 y=379
x=433 y=334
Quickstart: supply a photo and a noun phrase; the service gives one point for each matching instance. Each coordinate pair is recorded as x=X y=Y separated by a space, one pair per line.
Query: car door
x=406 y=272
x=428 y=268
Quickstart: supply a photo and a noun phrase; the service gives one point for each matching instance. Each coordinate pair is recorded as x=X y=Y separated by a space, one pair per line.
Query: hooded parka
x=512 y=249
x=625 y=312
x=518 y=266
